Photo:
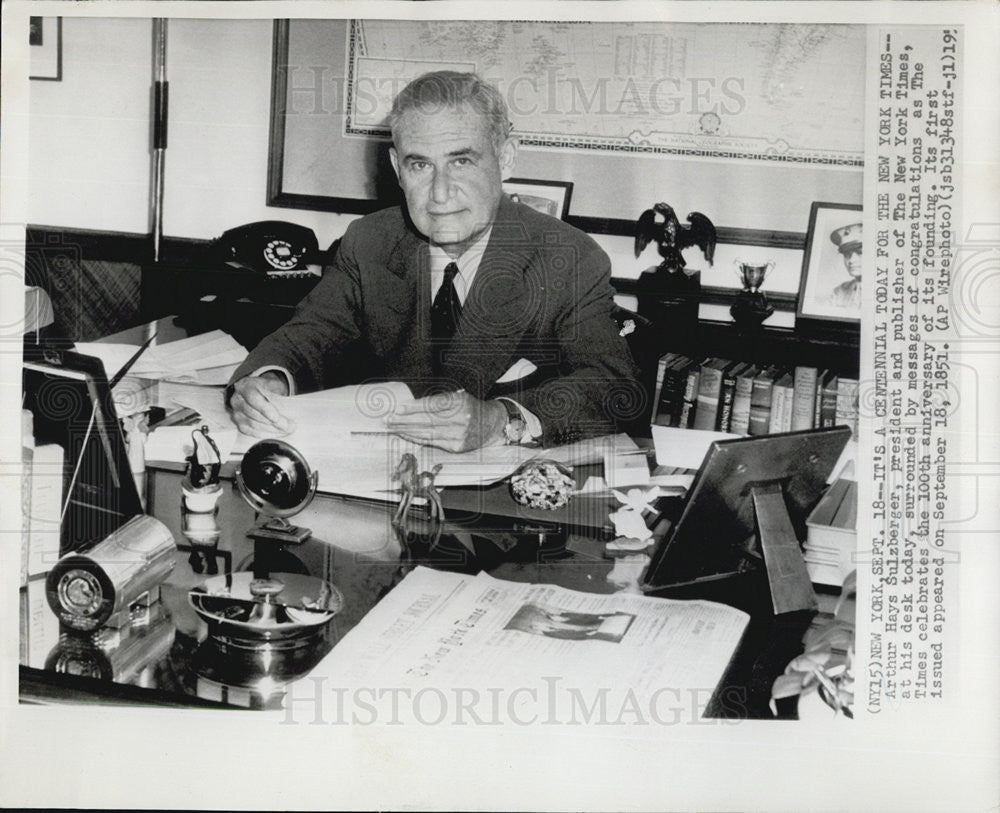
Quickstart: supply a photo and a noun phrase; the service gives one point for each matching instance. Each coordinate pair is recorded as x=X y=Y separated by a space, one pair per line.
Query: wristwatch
x=516 y=426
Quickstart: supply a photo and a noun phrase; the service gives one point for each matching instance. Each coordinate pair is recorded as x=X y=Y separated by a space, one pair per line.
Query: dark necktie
x=446 y=307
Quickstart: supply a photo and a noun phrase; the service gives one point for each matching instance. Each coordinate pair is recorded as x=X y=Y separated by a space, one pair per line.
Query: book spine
x=777 y=408
x=709 y=388
x=760 y=404
x=781 y=405
x=686 y=418
x=726 y=394
x=818 y=399
x=670 y=394
x=660 y=370
x=741 y=403
x=680 y=384
x=828 y=409
x=847 y=404
x=786 y=408
x=803 y=398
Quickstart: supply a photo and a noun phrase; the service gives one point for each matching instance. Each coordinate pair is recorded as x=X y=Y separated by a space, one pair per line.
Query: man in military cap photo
x=847 y=294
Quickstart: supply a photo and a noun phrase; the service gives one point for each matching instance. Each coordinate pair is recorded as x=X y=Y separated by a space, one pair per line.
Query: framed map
x=707 y=89
x=749 y=123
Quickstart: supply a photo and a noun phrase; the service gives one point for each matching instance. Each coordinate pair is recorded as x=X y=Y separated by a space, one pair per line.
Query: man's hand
x=453 y=421
x=253 y=411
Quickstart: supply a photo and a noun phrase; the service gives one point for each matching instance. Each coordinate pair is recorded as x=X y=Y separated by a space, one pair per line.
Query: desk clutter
x=678 y=515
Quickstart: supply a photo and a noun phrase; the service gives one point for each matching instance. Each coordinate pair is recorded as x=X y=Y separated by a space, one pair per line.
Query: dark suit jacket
x=542 y=292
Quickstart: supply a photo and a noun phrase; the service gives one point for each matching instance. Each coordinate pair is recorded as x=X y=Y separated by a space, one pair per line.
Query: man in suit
x=463 y=292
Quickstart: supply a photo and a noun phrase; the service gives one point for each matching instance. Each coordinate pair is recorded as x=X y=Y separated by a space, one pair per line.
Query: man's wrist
x=493 y=421
x=278 y=378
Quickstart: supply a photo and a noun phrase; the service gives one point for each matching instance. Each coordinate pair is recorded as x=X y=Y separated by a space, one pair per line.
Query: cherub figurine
x=628 y=519
x=415 y=485
x=671 y=237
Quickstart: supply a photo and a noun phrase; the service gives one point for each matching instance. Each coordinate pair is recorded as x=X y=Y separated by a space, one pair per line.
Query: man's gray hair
x=451 y=90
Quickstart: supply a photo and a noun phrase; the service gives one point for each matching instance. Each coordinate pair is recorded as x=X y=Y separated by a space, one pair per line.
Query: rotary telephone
x=275 y=248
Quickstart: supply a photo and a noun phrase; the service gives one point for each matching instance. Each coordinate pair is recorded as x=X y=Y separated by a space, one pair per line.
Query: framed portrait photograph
x=550 y=197
x=45 y=48
x=830 y=286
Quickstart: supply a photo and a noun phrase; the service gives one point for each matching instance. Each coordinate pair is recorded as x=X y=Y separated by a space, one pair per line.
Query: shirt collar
x=468 y=262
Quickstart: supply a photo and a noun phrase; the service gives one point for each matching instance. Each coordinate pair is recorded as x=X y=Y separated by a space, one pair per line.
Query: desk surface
x=167 y=651
x=167 y=658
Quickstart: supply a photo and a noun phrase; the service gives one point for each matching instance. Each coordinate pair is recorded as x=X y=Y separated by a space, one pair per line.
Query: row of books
x=745 y=399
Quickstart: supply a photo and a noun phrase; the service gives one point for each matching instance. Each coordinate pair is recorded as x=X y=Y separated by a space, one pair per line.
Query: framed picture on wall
x=830 y=286
x=45 y=48
x=550 y=197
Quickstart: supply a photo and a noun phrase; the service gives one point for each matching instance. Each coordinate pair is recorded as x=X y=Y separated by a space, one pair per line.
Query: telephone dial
x=275 y=248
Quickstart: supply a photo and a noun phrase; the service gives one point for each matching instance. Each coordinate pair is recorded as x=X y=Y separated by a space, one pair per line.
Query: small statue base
x=750 y=310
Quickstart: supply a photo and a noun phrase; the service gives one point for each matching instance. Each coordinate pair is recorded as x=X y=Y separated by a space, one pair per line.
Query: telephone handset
x=273 y=247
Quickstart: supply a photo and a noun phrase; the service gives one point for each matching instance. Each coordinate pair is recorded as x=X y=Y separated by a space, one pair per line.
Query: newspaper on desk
x=523 y=653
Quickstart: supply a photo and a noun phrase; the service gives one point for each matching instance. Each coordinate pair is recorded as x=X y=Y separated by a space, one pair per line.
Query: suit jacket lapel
x=398 y=304
x=408 y=267
x=498 y=308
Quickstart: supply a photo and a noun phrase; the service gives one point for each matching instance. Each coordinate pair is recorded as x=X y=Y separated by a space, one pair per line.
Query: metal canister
x=86 y=589
x=121 y=659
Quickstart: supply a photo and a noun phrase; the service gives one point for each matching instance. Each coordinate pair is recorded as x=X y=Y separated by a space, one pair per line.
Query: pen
x=129 y=364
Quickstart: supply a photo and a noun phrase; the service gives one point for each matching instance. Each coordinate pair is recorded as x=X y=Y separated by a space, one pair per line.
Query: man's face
x=852 y=261
x=450 y=173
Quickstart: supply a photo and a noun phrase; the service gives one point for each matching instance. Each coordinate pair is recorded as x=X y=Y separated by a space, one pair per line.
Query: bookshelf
x=722 y=395
x=670 y=324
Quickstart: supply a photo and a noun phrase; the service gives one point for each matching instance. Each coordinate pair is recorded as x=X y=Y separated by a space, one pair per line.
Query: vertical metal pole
x=160 y=88
x=159 y=145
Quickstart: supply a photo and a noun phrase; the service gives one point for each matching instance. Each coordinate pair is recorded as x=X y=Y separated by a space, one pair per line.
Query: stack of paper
x=832 y=536
x=209 y=358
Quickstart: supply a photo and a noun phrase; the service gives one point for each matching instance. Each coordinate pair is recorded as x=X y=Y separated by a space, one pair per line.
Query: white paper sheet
x=685 y=448
x=180 y=359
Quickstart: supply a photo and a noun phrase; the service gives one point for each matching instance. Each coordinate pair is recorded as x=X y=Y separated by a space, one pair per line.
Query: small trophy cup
x=751 y=307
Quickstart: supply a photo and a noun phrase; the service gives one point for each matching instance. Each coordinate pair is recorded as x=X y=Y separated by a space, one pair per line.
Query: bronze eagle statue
x=662 y=225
